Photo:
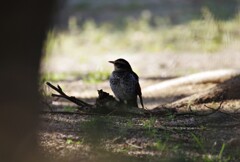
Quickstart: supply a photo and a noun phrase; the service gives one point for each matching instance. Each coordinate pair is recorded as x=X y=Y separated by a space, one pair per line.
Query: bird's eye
x=118 y=65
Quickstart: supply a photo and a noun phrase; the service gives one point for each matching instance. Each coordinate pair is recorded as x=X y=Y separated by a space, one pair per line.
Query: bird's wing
x=139 y=93
x=138 y=89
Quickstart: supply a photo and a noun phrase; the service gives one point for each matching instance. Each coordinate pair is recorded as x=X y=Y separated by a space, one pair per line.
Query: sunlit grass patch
x=145 y=35
x=84 y=42
x=96 y=76
x=50 y=76
x=89 y=77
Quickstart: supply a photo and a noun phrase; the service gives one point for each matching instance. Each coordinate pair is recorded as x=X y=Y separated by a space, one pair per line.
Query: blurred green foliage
x=92 y=77
x=96 y=76
x=70 y=109
x=132 y=27
x=147 y=35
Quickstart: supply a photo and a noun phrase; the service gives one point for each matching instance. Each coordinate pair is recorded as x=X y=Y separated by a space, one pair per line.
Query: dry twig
x=70 y=98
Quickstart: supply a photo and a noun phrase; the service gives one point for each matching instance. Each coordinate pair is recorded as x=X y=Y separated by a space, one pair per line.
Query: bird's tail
x=141 y=101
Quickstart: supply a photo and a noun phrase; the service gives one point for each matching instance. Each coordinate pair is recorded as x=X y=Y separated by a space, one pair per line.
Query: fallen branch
x=227 y=90
x=107 y=105
x=173 y=111
x=193 y=113
x=70 y=98
x=203 y=77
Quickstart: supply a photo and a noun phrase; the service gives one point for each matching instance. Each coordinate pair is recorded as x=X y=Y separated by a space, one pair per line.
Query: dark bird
x=124 y=83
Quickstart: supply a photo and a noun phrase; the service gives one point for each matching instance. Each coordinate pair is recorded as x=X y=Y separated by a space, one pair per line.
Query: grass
x=54 y=76
x=112 y=133
x=160 y=145
x=70 y=141
x=70 y=109
x=208 y=154
x=96 y=76
x=91 y=77
x=149 y=125
x=145 y=35
x=199 y=142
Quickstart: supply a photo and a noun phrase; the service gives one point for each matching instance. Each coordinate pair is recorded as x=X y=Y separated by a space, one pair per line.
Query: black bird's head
x=121 y=65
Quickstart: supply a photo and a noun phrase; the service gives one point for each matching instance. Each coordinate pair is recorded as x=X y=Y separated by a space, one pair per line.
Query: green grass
x=54 y=76
x=199 y=142
x=149 y=125
x=70 y=109
x=69 y=141
x=91 y=77
x=160 y=145
x=96 y=76
x=208 y=154
x=146 y=35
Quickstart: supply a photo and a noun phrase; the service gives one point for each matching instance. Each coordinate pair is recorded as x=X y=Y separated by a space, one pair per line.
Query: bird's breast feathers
x=123 y=85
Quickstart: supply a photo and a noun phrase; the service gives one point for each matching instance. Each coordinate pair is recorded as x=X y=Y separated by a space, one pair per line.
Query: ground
x=175 y=138
x=78 y=62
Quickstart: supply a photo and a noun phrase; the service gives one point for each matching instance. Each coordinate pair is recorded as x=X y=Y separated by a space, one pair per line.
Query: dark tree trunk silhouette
x=23 y=30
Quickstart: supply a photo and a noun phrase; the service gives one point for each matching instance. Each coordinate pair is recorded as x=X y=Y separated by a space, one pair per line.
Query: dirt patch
x=71 y=137
x=102 y=138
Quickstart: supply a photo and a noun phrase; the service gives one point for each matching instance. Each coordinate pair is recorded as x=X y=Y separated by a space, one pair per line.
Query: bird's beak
x=111 y=62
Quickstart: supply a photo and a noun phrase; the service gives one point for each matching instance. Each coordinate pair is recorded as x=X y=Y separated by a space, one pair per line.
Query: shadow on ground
x=107 y=138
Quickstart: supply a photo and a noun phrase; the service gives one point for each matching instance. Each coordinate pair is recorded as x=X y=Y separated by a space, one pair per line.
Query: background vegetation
x=87 y=29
